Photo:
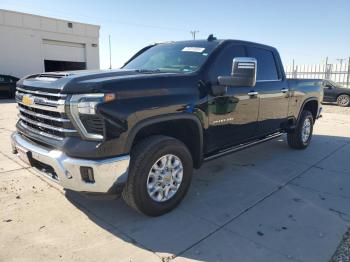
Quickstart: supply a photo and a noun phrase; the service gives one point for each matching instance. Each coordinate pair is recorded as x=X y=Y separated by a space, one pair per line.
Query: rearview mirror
x=243 y=73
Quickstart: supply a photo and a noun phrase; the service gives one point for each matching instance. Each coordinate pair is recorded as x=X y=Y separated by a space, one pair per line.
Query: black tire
x=143 y=156
x=295 y=139
x=343 y=100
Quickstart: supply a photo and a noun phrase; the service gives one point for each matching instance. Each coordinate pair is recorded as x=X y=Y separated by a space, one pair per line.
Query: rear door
x=272 y=90
x=233 y=115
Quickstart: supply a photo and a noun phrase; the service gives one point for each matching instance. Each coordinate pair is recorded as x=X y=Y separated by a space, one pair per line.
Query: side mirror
x=243 y=73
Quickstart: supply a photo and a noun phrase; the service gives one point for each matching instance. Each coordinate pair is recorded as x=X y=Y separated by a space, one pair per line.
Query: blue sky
x=307 y=31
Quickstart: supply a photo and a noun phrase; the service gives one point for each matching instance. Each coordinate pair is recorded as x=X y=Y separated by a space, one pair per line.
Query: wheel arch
x=311 y=104
x=343 y=93
x=184 y=127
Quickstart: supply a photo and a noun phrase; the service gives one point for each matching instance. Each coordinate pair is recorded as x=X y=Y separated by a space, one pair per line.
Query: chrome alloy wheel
x=306 y=130
x=164 y=178
x=343 y=100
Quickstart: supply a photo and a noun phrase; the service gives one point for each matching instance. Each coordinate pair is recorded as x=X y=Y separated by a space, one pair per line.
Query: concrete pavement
x=267 y=203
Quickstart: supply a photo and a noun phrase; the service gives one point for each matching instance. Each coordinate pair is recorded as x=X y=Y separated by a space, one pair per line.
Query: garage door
x=62 y=56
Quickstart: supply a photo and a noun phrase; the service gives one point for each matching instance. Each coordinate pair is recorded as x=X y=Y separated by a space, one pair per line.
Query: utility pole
x=348 y=78
x=193 y=33
x=110 y=52
x=341 y=68
x=341 y=61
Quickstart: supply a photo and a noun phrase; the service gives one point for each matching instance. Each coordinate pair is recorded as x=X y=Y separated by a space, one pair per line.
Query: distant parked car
x=8 y=85
x=336 y=93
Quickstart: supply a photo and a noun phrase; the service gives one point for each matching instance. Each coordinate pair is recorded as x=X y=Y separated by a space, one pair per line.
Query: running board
x=242 y=146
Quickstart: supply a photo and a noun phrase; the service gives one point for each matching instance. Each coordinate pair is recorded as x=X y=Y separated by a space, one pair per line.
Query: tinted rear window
x=266 y=66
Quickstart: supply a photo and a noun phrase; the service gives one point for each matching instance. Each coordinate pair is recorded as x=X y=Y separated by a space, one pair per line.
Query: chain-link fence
x=339 y=73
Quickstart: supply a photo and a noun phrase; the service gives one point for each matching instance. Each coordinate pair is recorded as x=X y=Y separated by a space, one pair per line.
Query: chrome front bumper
x=107 y=172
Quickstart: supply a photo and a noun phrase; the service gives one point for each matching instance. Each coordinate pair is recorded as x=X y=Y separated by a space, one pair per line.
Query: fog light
x=87 y=174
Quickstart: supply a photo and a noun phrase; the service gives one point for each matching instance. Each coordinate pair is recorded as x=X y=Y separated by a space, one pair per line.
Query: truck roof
x=220 y=41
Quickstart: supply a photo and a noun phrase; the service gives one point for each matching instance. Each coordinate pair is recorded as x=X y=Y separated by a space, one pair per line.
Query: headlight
x=83 y=112
x=87 y=104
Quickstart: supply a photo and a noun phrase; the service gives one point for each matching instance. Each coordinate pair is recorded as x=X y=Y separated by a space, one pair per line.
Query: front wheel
x=301 y=137
x=159 y=175
x=343 y=100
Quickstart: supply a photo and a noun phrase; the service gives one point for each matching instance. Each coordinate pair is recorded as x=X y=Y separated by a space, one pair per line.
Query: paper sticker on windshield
x=193 y=49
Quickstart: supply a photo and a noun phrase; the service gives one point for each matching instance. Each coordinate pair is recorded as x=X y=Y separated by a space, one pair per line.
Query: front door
x=233 y=115
x=272 y=91
x=329 y=92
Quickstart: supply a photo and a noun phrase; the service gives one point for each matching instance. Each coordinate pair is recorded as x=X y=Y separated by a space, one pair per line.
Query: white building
x=33 y=44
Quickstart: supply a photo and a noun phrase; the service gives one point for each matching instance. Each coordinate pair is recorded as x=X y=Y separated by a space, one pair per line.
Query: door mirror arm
x=213 y=88
x=218 y=90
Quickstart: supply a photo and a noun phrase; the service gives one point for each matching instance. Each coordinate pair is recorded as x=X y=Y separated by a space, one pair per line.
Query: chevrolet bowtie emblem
x=27 y=100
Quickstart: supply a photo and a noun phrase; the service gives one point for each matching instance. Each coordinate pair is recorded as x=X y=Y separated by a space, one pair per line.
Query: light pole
x=110 y=52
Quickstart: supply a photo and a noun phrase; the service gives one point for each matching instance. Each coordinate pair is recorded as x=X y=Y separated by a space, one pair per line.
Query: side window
x=266 y=65
x=328 y=85
x=222 y=65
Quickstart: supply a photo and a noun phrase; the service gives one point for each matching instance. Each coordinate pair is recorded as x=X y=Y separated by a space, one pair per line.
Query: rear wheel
x=343 y=100
x=301 y=137
x=159 y=175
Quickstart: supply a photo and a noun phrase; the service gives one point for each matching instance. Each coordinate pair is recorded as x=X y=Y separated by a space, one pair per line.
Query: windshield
x=182 y=57
x=332 y=84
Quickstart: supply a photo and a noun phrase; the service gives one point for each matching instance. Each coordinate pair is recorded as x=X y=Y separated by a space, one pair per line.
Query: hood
x=343 y=90
x=88 y=81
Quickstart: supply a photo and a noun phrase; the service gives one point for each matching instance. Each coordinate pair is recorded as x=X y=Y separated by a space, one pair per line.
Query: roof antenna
x=211 y=37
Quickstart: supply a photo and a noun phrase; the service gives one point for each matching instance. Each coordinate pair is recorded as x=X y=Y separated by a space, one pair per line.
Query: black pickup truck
x=142 y=129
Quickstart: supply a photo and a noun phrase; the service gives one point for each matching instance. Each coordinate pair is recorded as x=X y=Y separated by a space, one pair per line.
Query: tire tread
x=138 y=154
x=293 y=139
x=343 y=105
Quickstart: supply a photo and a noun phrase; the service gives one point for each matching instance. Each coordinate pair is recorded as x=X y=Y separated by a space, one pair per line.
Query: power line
x=59 y=14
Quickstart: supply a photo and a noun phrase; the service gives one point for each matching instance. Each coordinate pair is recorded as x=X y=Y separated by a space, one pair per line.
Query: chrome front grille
x=42 y=113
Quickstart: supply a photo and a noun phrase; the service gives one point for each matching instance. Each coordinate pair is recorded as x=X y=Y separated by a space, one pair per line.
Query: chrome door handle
x=284 y=90
x=253 y=93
